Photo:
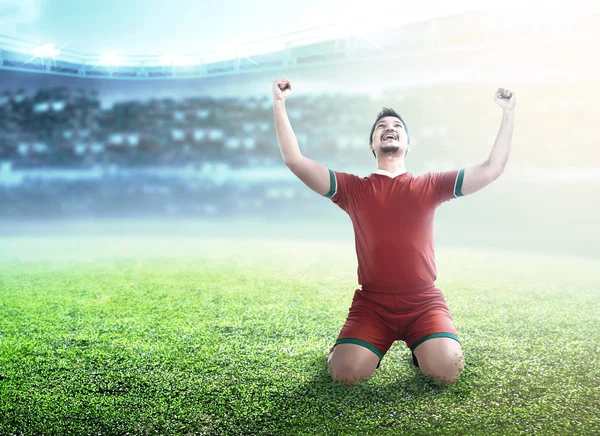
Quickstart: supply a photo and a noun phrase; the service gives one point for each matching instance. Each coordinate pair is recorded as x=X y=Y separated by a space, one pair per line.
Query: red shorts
x=377 y=319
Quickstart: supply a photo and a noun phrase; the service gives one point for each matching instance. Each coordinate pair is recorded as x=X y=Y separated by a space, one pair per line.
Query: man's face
x=389 y=136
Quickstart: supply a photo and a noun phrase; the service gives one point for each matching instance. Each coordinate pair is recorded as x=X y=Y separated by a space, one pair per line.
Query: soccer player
x=392 y=212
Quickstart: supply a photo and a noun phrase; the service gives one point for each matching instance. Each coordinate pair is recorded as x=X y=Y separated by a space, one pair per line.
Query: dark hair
x=387 y=112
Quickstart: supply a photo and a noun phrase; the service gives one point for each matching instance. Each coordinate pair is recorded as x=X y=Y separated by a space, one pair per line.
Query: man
x=392 y=213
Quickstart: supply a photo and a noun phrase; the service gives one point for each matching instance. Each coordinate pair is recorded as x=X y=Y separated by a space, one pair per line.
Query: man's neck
x=391 y=167
x=389 y=174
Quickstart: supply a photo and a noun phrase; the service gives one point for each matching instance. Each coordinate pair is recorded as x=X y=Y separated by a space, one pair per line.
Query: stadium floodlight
x=46 y=51
x=110 y=59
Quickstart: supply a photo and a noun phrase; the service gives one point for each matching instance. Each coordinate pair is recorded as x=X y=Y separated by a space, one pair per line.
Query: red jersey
x=392 y=216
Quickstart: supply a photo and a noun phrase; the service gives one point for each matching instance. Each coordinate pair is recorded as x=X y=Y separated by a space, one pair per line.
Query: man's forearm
x=285 y=135
x=501 y=149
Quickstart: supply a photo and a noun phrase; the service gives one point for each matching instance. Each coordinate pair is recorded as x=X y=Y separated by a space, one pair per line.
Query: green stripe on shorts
x=360 y=342
x=435 y=335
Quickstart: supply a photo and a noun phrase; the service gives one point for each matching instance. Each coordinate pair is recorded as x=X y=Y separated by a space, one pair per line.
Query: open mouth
x=389 y=137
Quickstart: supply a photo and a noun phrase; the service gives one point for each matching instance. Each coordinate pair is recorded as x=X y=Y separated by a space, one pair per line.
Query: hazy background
x=200 y=157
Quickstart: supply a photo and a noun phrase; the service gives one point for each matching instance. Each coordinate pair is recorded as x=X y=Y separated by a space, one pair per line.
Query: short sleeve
x=446 y=185
x=344 y=189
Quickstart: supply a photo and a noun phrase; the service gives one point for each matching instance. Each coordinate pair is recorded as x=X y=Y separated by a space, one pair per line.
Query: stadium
x=162 y=270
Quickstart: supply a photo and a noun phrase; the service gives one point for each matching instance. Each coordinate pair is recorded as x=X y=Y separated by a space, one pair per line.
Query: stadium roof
x=144 y=39
x=156 y=27
x=152 y=33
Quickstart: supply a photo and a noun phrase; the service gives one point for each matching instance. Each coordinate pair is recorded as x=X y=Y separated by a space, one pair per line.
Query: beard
x=391 y=149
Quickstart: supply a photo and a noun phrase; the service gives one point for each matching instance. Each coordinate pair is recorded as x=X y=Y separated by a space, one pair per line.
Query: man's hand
x=281 y=89
x=506 y=98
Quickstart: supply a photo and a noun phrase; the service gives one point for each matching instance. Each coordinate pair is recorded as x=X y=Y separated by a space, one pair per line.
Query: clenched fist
x=281 y=89
x=505 y=98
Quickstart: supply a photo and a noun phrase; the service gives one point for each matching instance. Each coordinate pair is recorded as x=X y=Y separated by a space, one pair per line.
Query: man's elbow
x=495 y=170
x=292 y=161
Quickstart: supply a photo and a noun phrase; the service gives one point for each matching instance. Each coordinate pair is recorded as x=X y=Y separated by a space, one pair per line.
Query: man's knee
x=348 y=374
x=446 y=371
x=350 y=364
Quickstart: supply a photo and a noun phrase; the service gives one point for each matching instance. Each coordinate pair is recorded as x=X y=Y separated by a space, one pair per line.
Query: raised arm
x=312 y=173
x=479 y=176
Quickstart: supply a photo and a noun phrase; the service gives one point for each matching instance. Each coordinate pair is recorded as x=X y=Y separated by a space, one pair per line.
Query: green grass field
x=217 y=336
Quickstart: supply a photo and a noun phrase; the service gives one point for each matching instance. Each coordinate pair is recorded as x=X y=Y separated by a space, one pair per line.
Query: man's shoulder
x=349 y=174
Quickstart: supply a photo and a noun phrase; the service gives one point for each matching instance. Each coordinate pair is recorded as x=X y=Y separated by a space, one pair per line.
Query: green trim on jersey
x=435 y=335
x=459 y=182
x=332 y=184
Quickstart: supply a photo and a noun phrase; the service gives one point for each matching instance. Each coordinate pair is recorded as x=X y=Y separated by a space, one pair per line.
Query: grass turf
x=226 y=336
